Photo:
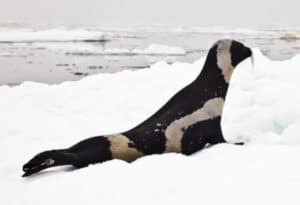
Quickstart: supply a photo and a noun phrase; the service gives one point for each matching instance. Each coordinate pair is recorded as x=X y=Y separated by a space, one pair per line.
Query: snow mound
x=261 y=109
x=50 y=35
x=156 y=49
x=262 y=105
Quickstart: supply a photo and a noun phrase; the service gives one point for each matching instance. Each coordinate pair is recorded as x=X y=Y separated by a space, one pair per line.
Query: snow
x=77 y=48
x=5 y=54
x=50 y=35
x=200 y=29
x=156 y=49
x=271 y=94
x=261 y=109
x=281 y=32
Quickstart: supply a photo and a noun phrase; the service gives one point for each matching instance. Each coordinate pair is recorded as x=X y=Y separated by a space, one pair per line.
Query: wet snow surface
x=262 y=109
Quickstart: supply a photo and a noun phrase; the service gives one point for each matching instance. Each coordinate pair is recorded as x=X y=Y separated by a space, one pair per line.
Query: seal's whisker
x=252 y=61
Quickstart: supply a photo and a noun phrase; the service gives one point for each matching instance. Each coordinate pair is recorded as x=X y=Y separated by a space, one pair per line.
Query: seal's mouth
x=33 y=167
x=32 y=170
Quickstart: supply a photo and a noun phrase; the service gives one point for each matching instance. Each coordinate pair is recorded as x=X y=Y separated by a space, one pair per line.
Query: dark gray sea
x=57 y=54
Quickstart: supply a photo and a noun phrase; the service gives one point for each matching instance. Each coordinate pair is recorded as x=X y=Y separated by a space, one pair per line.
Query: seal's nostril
x=248 y=51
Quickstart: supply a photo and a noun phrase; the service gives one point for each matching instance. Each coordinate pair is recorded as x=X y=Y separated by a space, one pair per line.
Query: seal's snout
x=245 y=52
x=239 y=52
x=248 y=52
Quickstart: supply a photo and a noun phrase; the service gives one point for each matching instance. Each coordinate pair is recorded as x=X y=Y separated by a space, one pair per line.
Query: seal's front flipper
x=239 y=143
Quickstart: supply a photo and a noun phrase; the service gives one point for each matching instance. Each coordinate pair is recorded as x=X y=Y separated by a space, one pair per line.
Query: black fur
x=149 y=137
x=240 y=51
x=89 y=151
x=200 y=134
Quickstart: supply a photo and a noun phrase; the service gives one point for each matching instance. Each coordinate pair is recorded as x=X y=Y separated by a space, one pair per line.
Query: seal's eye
x=48 y=162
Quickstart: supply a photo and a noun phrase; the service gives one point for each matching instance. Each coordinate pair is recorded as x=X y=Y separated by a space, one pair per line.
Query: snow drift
x=261 y=109
x=156 y=49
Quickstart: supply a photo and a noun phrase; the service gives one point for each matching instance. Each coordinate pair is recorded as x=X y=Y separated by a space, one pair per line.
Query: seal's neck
x=216 y=74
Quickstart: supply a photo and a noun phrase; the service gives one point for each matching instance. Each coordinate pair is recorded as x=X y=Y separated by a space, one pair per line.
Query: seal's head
x=226 y=54
x=39 y=162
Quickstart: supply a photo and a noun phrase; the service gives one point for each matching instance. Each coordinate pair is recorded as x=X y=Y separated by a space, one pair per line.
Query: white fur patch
x=224 y=58
x=174 y=132
x=120 y=149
